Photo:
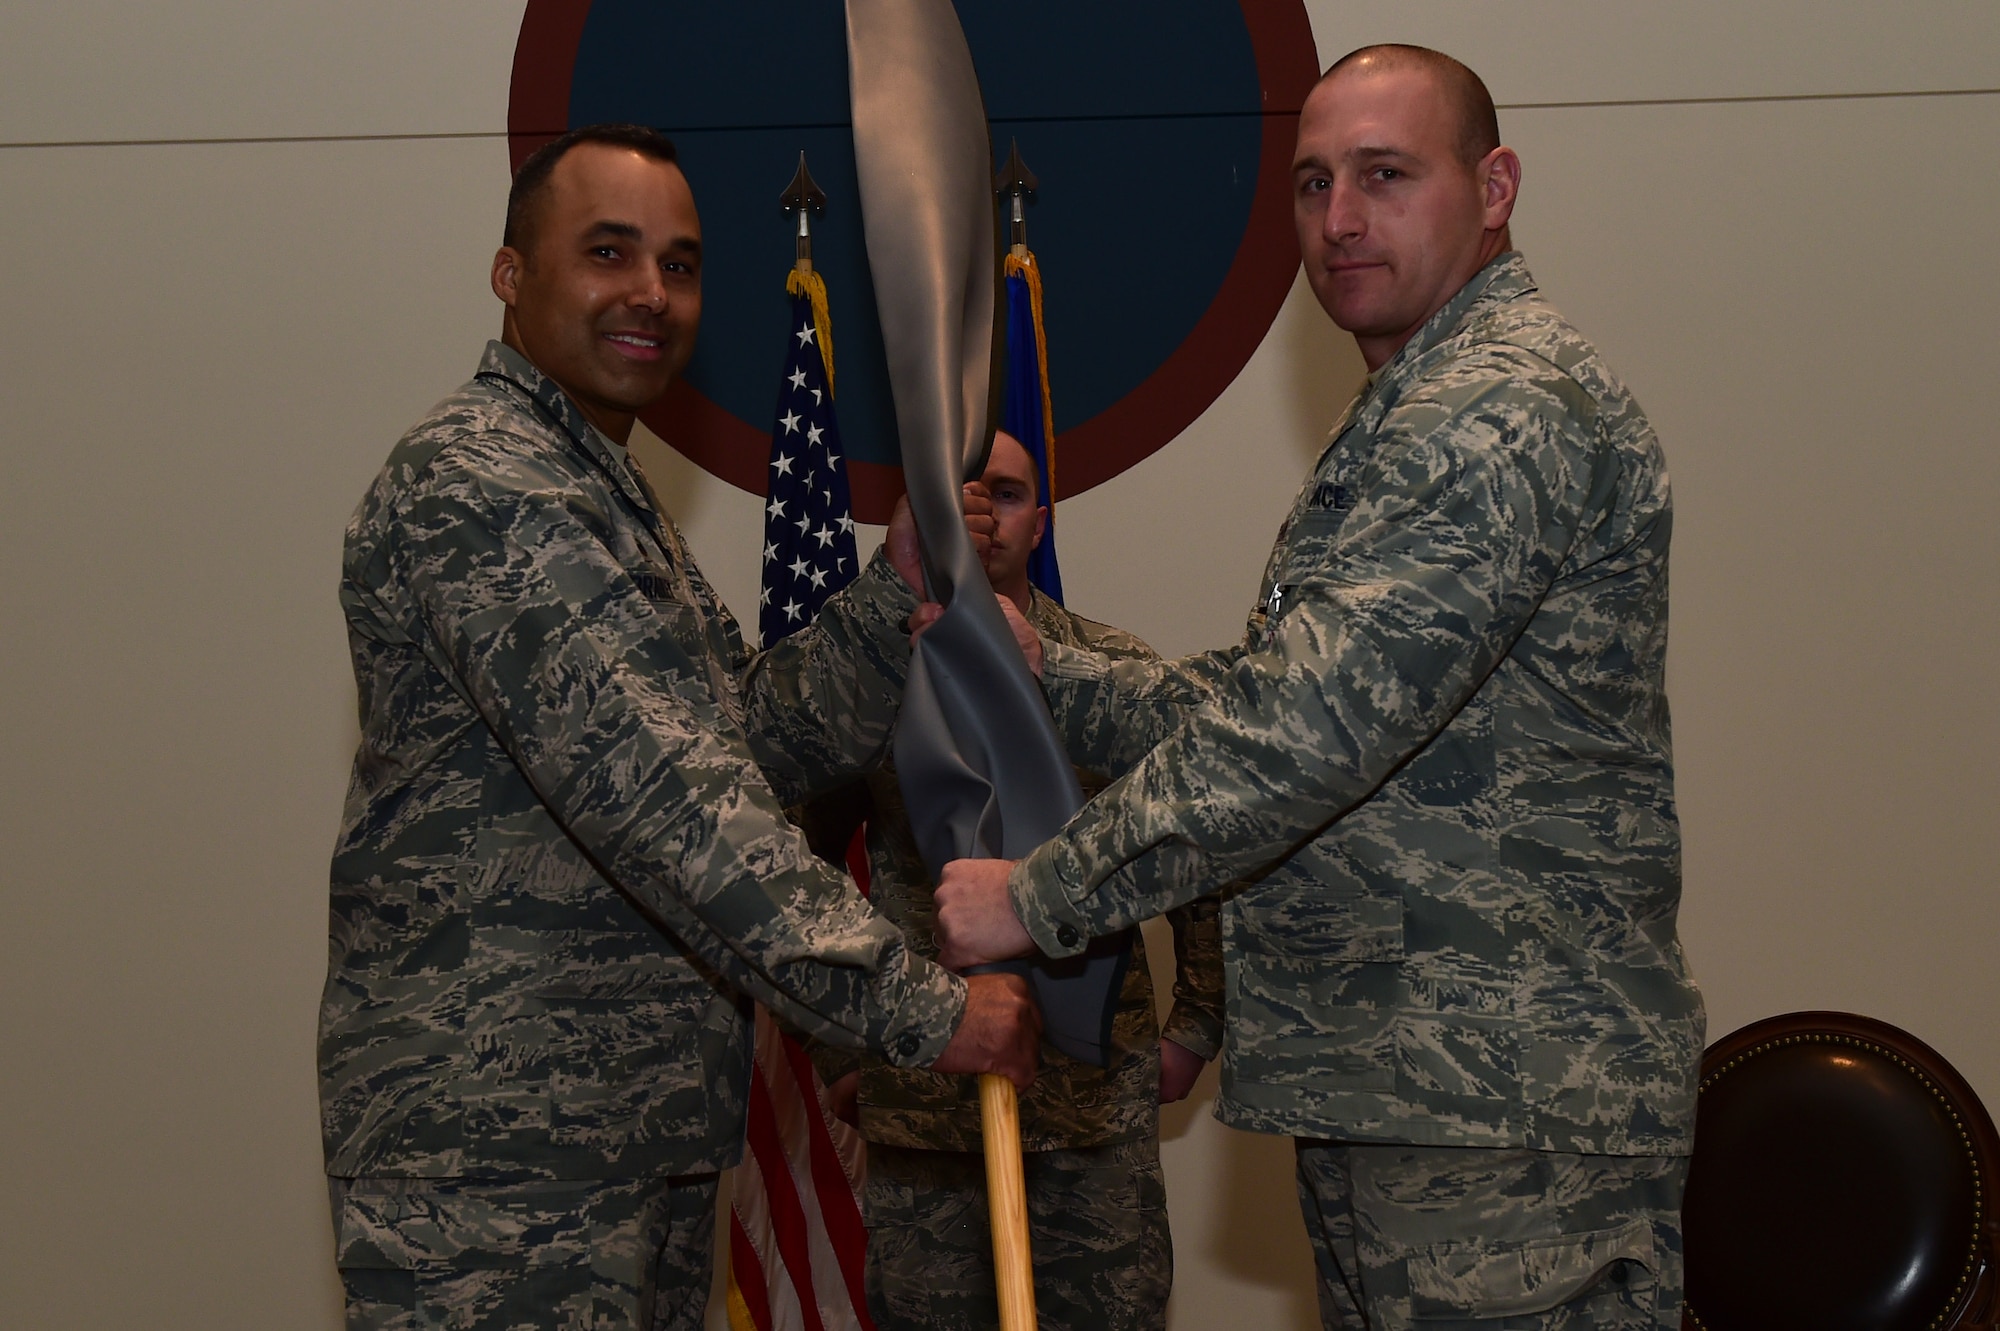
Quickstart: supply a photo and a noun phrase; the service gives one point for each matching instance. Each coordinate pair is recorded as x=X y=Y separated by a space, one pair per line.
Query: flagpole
x=1007 y=1202
x=999 y=1106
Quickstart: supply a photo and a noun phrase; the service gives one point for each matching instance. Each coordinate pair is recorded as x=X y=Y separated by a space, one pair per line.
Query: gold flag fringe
x=808 y=283
x=1022 y=264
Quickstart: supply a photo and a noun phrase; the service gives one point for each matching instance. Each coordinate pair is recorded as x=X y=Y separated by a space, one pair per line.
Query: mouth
x=637 y=346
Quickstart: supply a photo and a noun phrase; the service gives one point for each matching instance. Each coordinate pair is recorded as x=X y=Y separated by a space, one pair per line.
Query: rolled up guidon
x=982 y=768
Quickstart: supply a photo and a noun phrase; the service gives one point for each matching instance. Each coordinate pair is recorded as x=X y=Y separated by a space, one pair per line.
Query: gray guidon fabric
x=983 y=770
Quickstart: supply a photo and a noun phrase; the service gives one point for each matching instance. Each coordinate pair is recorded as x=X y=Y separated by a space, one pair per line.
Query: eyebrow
x=689 y=245
x=622 y=230
x=1371 y=150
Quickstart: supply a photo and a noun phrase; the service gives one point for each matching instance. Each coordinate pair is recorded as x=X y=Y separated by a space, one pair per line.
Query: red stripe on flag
x=788 y=1217
x=747 y=1274
x=834 y=1189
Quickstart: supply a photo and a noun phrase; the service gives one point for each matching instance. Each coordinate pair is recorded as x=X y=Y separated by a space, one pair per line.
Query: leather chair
x=1845 y=1178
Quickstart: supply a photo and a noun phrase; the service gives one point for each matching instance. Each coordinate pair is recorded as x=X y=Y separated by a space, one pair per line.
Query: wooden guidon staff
x=1007 y=1202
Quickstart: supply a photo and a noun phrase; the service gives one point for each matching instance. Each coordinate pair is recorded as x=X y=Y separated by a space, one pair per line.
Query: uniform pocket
x=1317 y=906
x=1310 y=542
x=712 y=684
x=631 y=1073
x=1302 y=1022
x=1460 y=1037
x=1471 y=1280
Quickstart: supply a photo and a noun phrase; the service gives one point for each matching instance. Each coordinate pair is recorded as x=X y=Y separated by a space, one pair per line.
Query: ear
x=1041 y=526
x=1499 y=177
x=508 y=264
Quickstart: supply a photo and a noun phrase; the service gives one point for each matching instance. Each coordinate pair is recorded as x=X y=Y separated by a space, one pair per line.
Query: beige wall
x=207 y=349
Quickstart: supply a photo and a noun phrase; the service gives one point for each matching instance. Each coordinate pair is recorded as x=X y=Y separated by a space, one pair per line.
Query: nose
x=652 y=295
x=1344 y=220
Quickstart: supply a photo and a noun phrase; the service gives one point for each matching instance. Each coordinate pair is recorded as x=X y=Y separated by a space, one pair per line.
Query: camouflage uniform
x=1565 y=1242
x=564 y=866
x=553 y=1255
x=1441 y=754
x=1096 y=1202
x=1097 y=1226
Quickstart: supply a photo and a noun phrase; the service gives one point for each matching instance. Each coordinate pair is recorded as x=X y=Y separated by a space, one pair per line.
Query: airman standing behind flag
x=1440 y=757
x=1103 y=1256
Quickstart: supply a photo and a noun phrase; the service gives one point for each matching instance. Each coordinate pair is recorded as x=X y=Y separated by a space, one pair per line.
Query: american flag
x=808 y=519
x=796 y=1243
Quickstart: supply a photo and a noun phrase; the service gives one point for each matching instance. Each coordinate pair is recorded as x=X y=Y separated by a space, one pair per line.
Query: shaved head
x=1471 y=104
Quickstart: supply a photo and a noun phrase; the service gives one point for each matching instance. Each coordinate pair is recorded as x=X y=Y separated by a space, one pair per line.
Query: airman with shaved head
x=1433 y=783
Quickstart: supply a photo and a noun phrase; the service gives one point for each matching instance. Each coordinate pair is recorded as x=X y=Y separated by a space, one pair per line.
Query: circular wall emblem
x=1162 y=147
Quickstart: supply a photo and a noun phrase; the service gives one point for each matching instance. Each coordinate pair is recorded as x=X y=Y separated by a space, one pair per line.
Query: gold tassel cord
x=1023 y=265
x=807 y=282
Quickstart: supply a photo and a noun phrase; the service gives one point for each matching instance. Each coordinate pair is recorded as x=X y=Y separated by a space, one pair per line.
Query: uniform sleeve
x=1195 y=1022
x=820 y=706
x=1462 y=521
x=614 y=725
x=1112 y=710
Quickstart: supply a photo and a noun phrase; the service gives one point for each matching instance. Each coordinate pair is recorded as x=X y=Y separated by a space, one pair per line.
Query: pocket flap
x=1499 y=1279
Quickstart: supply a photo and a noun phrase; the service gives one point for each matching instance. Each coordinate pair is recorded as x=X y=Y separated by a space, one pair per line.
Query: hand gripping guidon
x=982 y=768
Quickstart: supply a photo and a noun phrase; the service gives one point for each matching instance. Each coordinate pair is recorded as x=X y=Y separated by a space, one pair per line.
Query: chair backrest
x=1845 y=1178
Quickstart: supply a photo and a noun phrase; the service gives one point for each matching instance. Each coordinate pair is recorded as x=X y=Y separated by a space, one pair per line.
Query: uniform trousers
x=1470 y=1239
x=543 y=1255
x=1097 y=1223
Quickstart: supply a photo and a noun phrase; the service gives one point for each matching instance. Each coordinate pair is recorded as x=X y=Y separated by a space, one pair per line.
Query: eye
x=1315 y=185
x=1387 y=173
x=604 y=251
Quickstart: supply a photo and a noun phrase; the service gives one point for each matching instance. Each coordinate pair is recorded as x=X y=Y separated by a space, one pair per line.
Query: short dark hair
x=1478 y=122
x=531 y=182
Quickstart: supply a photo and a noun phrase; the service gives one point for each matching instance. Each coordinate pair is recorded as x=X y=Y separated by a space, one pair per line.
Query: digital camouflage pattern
x=1442 y=757
x=549 y=1255
x=564 y=867
x=1097 y=1229
x=1565 y=1242
x=1071 y=1104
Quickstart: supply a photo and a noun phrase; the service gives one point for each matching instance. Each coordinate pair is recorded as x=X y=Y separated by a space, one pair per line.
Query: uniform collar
x=1043 y=611
x=1504 y=278
x=504 y=363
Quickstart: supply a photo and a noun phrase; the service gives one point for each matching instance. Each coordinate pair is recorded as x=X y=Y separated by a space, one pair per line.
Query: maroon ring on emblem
x=1165 y=403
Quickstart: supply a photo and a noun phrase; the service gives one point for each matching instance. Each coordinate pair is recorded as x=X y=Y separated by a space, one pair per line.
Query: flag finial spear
x=1016 y=184
x=804 y=197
